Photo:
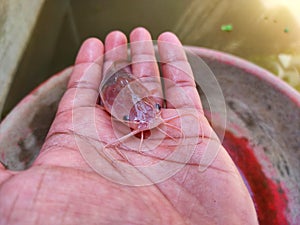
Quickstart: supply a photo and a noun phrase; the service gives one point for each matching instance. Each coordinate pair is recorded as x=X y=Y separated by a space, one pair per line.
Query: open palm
x=65 y=184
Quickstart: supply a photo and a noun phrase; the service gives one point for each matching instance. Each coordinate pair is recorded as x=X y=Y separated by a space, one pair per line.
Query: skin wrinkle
x=11 y=209
x=157 y=157
x=61 y=191
x=65 y=214
x=73 y=194
x=171 y=56
x=49 y=203
x=169 y=201
x=92 y=139
x=90 y=143
x=54 y=134
x=178 y=73
x=178 y=102
x=79 y=69
x=156 y=209
x=177 y=196
x=35 y=219
x=175 y=204
x=71 y=159
x=87 y=55
x=38 y=188
x=183 y=84
x=192 y=205
x=50 y=147
x=5 y=176
x=115 y=167
x=87 y=85
x=150 y=205
x=226 y=196
x=81 y=98
x=70 y=203
x=190 y=196
x=61 y=113
x=181 y=182
x=64 y=116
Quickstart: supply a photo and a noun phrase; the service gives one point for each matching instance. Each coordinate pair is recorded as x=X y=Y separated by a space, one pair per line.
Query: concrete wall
x=31 y=37
x=17 y=20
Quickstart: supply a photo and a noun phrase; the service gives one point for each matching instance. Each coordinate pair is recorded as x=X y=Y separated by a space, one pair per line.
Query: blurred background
x=41 y=38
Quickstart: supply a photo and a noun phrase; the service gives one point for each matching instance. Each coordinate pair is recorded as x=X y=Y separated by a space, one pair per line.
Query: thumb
x=81 y=95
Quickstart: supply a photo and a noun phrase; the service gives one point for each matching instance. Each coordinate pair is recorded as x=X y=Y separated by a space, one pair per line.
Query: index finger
x=85 y=79
x=177 y=70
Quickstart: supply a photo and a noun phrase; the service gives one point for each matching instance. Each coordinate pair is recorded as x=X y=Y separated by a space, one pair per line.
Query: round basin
x=262 y=134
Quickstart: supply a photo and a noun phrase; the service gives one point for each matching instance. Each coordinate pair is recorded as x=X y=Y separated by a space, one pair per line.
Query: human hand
x=61 y=187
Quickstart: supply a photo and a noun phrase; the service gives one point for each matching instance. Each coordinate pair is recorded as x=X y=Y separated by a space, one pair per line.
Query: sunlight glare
x=292 y=5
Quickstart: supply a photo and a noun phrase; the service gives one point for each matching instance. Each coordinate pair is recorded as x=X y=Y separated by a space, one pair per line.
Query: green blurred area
x=268 y=37
x=247 y=29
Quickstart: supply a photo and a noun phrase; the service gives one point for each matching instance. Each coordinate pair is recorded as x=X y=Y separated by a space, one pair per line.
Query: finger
x=76 y=109
x=85 y=79
x=143 y=55
x=180 y=89
x=115 y=49
x=144 y=63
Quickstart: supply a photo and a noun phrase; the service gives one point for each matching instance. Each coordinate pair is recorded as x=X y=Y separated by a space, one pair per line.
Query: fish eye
x=126 y=118
x=157 y=106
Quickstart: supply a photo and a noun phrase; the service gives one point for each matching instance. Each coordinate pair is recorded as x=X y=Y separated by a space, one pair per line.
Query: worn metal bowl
x=262 y=133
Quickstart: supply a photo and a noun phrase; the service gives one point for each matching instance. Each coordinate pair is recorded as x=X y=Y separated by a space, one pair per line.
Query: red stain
x=268 y=196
